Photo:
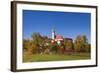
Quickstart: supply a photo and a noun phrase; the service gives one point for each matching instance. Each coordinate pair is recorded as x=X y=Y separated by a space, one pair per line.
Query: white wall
x=5 y=37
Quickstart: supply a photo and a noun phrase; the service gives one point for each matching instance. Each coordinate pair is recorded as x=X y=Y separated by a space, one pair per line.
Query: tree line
x=39 y=44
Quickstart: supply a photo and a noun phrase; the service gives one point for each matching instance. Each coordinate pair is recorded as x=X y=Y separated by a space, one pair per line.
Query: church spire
x=53 y=33
x=53 y=30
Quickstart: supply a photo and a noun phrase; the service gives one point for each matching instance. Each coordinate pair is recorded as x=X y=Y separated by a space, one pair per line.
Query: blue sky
x=67 y=24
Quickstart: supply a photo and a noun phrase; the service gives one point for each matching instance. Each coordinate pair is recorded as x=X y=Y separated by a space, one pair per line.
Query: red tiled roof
x=59 y=37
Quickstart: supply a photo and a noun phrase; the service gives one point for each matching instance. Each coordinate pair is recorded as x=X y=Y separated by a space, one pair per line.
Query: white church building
x=56 y=38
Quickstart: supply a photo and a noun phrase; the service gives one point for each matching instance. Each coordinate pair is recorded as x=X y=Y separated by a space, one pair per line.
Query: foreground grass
x=38 y=57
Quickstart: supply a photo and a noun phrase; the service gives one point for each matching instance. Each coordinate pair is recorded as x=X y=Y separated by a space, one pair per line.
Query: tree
x=54 y=48
x=88 y=47
x=68 y=44
x=40 y=42
x=27 y=46
x=80 y=43
x=37 y=38
x=61 y=48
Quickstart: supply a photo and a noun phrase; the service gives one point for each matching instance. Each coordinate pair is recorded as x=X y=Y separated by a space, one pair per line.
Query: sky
x=67 y=24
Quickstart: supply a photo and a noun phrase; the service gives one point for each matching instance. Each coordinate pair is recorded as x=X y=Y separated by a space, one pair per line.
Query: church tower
x=53 y=34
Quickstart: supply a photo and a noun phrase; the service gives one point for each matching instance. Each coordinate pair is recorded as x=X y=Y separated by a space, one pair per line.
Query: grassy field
x=38 y=58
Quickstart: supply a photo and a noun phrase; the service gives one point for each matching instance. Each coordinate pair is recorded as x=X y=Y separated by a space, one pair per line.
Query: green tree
x=54 y=48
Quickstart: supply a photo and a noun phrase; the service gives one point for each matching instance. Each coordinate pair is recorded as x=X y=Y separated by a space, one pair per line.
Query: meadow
x=55 y=57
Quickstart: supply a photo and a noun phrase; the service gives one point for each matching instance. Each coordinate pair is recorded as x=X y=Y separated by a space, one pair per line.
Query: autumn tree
x=68 y=44
x=41 y=43
x=81 y=43
x=27 y=46
x=88 y=47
